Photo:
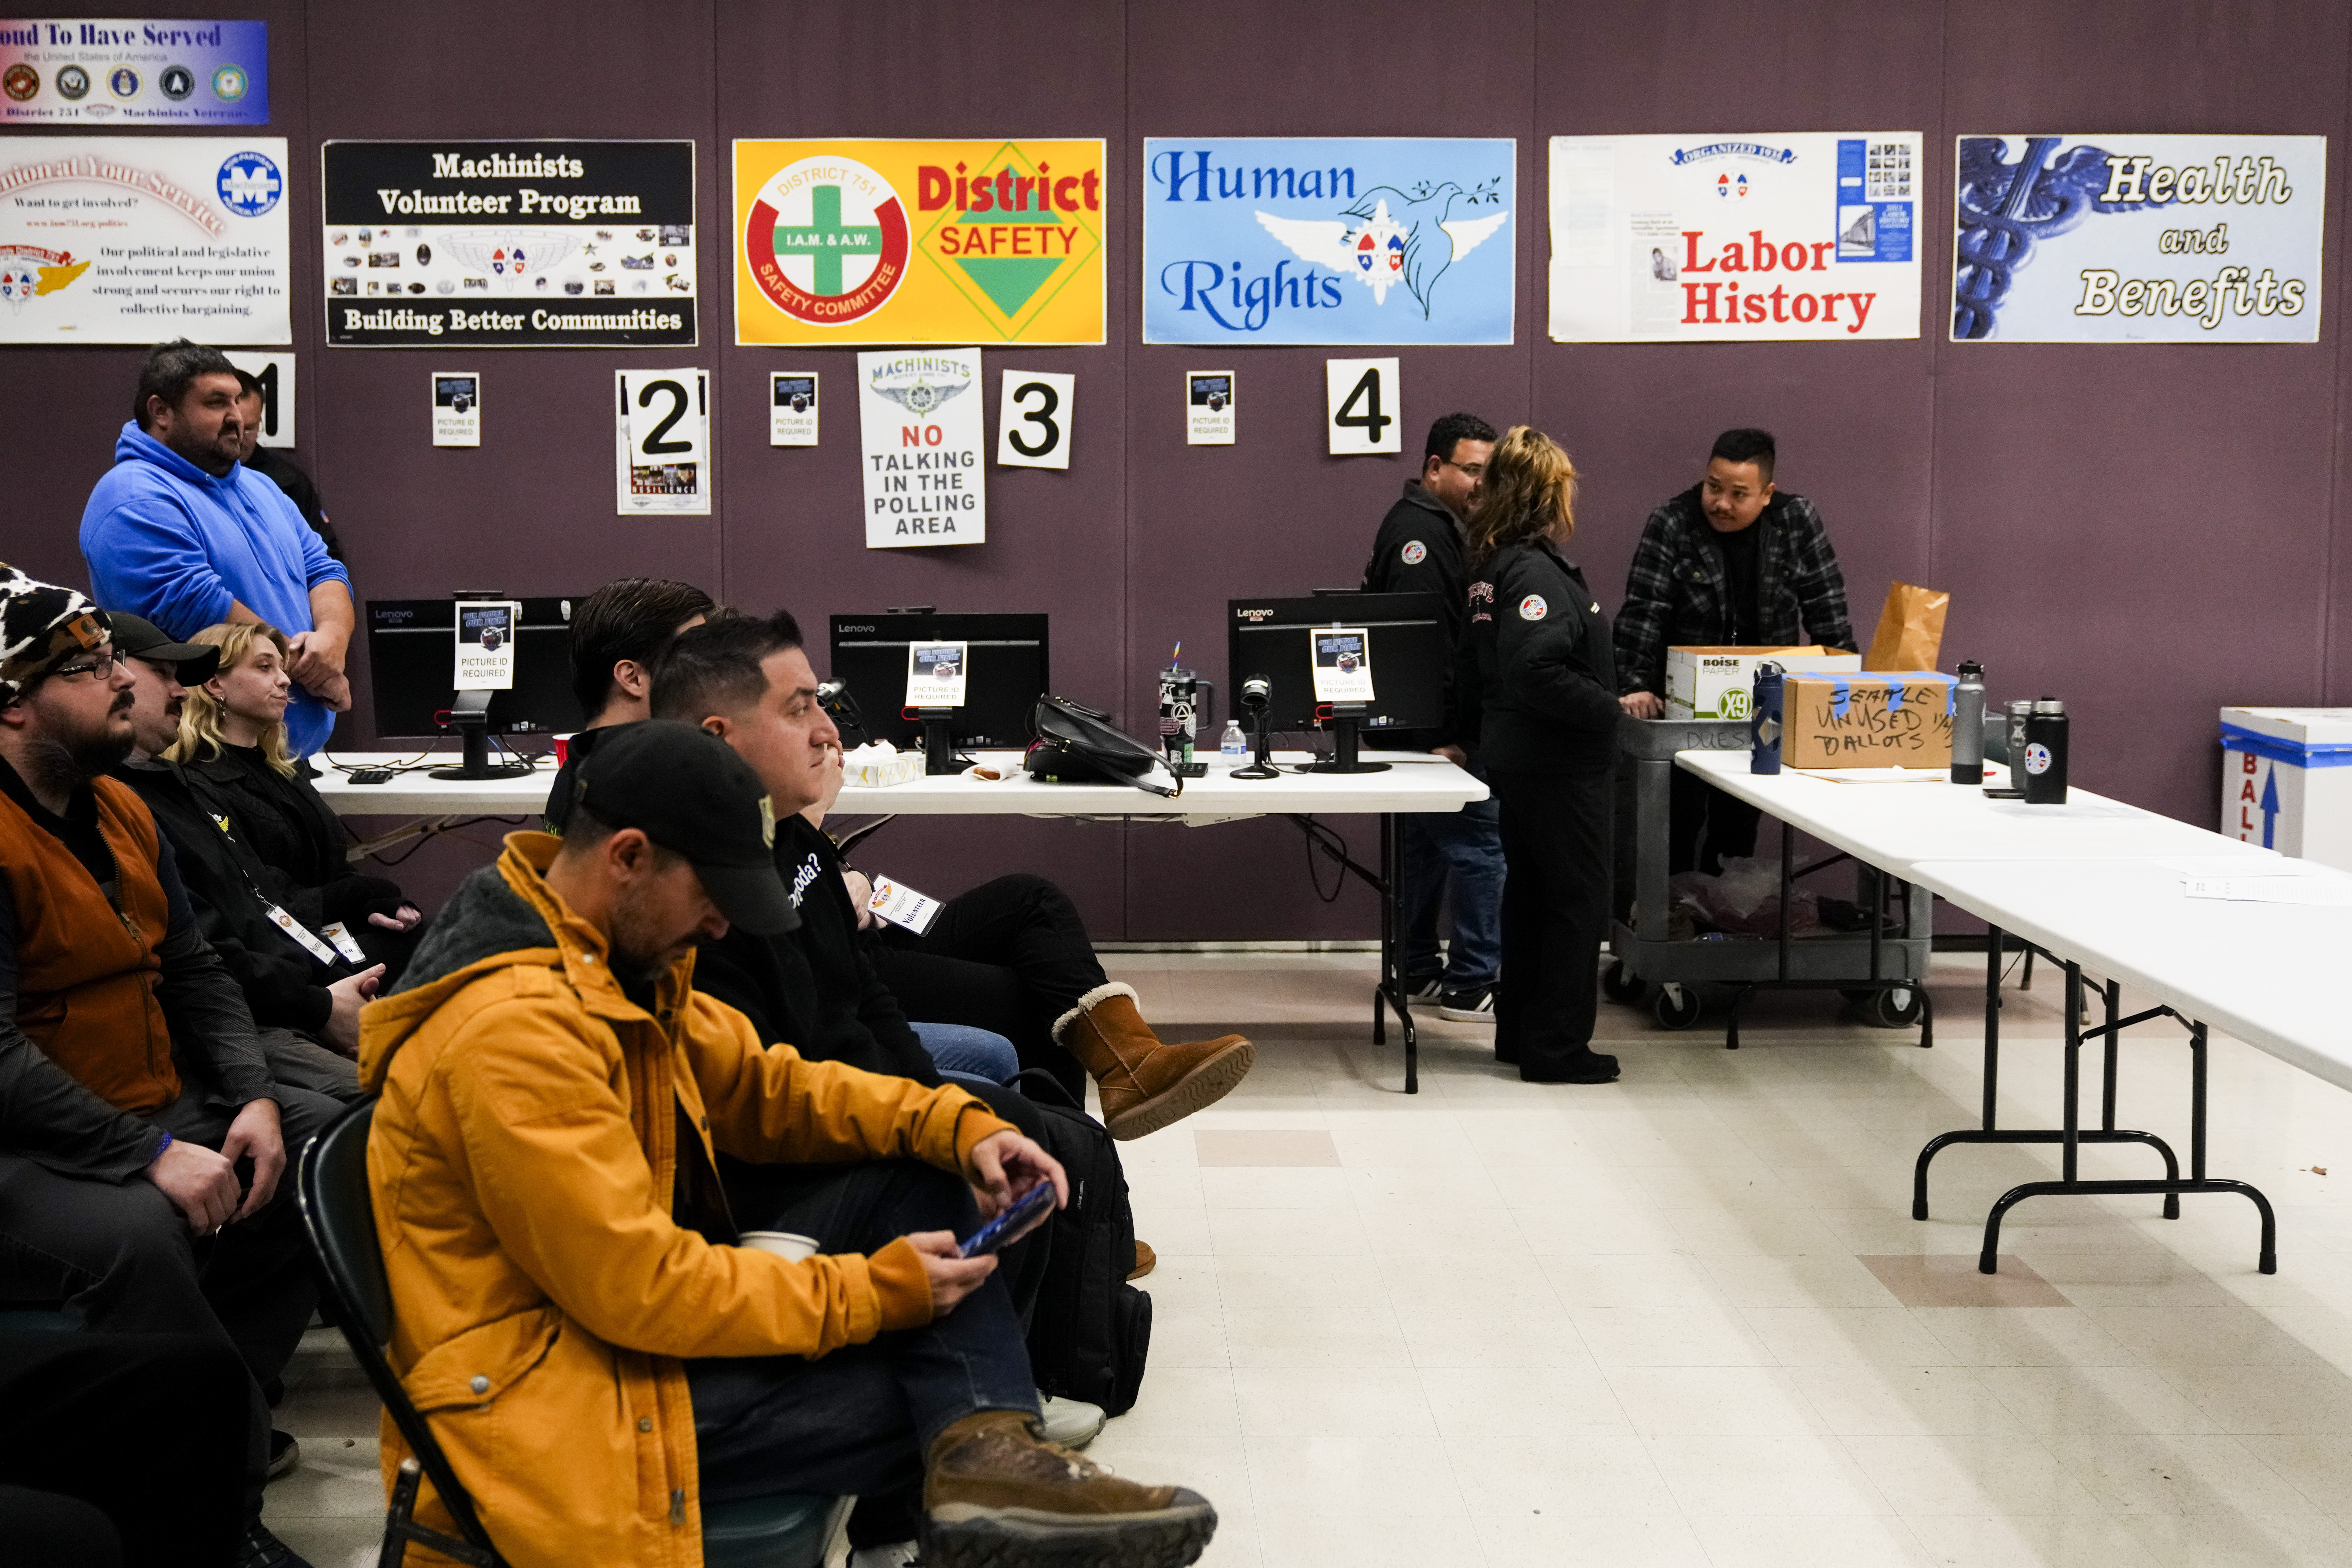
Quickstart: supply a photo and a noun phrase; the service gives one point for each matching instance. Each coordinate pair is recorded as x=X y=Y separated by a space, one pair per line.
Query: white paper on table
x=2235 y=866
x=902 y=906
x=2329 y=891
x=2073 y=811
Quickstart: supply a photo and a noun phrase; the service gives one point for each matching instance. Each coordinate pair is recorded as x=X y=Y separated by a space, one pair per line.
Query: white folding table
x=1416 y=781
x=2085 y=882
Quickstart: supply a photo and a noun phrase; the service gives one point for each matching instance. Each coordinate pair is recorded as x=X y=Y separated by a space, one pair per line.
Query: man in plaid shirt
x=1731 y=562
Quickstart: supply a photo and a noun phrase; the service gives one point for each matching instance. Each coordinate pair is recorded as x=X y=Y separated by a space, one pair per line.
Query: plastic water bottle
x=1233 y=746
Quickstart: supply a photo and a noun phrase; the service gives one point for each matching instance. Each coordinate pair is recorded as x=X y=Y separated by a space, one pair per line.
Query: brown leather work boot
x=1146 y=1083
x=995 y=1495
x=1146 y=1261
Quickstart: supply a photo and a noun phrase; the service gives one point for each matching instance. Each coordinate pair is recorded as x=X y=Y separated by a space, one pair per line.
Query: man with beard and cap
x=304 y=989
x=140 y=1200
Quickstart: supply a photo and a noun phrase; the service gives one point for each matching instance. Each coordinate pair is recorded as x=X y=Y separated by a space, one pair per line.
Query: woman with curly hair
x=1547 y=731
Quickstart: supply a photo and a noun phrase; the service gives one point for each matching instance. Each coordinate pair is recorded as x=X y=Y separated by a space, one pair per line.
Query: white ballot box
x=2286 y=781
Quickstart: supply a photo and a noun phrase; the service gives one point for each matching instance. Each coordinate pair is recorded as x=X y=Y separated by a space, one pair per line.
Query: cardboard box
x=2286 y=781
x=1895 y=718
x=1719 y=682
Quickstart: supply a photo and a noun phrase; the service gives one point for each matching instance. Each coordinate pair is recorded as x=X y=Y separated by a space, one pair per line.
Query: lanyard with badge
x=309 y=941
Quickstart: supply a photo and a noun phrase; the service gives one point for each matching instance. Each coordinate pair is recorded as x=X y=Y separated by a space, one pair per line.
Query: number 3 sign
x=1033 y=420
x=1363 y=406
x=661 y=441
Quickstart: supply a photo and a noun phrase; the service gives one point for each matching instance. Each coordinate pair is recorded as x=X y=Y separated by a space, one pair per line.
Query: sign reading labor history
x=92 y=71
x=1697 y=238
x=138 y=240
x=2138 y=239
x=924 y=435
x=920 y=242
x=509 y=244
x=1327 y=240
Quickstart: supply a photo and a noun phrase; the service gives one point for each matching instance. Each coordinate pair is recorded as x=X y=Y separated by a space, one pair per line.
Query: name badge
x=345 y=943
x=902 y=906
x=299 y=933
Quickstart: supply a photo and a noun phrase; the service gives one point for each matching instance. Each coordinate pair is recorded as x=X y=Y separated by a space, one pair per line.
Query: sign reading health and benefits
x=96 y=71
x=140 y=239
x=1698 y=238
x=1327 y=240
x=920 y=242
x=2139 y=239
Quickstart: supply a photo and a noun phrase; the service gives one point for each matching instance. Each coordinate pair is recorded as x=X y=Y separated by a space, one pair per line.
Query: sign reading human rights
x=920 y=242
x=1760 y=237
x=138 y=240
x=509 y=244
x=2138 y=239
x=1327 y=239
x=94 y=71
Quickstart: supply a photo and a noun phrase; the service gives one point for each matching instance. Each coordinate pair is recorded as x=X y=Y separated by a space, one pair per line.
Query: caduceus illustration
x=1411 y=242
x=2005 y=208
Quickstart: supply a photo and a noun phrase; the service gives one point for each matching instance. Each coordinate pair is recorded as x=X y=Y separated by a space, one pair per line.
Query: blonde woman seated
x=233 y=745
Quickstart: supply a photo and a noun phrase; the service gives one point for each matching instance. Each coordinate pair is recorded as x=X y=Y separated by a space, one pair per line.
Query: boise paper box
x=1901 y=718
x=1719 y=682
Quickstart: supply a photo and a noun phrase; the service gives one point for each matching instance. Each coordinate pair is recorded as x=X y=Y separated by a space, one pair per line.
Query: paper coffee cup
x=784 y=1244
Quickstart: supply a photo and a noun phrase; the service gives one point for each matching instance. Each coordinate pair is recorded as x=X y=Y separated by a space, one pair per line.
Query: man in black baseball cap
x=687 y=791
x=191 y=663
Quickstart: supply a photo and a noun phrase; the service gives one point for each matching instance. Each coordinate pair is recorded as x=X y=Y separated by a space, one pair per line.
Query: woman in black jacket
x=1548 y=734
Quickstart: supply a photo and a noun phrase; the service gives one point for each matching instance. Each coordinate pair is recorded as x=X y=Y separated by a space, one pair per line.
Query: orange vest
x=85 y=975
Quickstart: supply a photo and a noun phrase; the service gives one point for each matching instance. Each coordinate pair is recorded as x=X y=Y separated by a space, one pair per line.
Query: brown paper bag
x=1910 y=628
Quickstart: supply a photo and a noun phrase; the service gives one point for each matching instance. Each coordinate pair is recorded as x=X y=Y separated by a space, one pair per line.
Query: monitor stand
x=472 y=719
x=938 y=741
x=1345 y=759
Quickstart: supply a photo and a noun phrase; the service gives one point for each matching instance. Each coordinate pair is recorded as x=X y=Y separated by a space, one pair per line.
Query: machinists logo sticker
x=827 y=241
x=1414 y=553
x=1533 y=608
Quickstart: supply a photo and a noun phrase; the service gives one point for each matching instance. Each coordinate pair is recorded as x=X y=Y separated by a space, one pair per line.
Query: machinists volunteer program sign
x=1763 y=236
x=96 y=71
x=509 y=244
x=920 y=242
x=2130 y=238
x=138 y=240
x=1327 y=240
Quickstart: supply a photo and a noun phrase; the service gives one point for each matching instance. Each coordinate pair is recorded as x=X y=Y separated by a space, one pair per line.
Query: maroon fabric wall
x=2148 y=531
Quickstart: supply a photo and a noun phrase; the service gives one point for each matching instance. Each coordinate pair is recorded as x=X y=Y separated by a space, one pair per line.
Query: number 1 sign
x=662 y=442
x=1363 y=406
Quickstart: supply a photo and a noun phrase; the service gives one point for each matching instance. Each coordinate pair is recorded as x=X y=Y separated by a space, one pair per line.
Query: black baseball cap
x=193 y=663
x=687 y=789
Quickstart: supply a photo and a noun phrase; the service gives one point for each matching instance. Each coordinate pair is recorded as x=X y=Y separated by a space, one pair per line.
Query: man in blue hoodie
x=181 y=532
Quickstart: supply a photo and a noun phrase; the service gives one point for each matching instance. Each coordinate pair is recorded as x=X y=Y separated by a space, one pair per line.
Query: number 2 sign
x=1033 y=419
x=661 y=441
x=1363 y=398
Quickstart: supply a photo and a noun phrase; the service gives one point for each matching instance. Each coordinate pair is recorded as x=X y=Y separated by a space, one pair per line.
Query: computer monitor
x=1005 y=671
x=412 y=655
x=1404 y=636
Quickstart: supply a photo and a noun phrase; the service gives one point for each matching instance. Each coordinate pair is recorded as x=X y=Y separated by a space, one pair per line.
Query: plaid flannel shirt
x=1677 y=595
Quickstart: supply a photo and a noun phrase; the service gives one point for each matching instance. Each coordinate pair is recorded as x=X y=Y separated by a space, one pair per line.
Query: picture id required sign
x=486 y=645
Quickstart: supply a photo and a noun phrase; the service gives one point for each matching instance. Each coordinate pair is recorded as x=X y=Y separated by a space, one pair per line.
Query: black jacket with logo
x=1547 y=674
x=1419 y=550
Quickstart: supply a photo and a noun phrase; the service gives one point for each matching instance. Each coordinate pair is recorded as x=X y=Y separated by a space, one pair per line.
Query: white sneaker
x=1072 y=1422
x=1470 y=1005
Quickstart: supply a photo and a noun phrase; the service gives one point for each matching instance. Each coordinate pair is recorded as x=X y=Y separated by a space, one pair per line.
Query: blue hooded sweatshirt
x=165 y=540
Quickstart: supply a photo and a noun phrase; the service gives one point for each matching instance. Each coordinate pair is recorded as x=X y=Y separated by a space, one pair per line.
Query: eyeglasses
x=100 y=664
x=1476 y=472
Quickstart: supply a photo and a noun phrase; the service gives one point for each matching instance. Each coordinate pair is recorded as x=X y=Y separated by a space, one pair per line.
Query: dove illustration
x=1412 y=244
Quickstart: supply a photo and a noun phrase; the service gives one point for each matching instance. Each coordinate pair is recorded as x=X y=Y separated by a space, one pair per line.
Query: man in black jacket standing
x=1419 y=550
x=1732 y=561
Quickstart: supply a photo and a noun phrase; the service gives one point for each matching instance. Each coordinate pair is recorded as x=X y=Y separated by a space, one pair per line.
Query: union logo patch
x=1414 y=553
x=1533 y=608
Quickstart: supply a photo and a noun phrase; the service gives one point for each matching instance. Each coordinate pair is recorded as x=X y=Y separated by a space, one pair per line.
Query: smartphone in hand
x=1006 y=1225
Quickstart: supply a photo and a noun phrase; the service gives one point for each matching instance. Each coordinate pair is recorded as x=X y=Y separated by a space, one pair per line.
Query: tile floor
x=1687 y=1319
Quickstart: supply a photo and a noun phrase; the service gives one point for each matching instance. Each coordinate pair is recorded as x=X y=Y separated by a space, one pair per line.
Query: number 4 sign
x=662 y=442
x=1033 y=420
x=1363 y=393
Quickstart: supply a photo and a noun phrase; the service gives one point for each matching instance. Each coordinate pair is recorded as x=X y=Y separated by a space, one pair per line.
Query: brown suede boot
x=1146 y=1261
x=995 y=1495
x=1146 y=1083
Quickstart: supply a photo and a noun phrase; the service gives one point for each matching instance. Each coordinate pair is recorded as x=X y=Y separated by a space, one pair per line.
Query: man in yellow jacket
x=592 y=1350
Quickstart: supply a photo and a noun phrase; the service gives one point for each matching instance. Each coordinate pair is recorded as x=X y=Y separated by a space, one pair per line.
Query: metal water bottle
x=2045 y=753
x=2020 y=712
x=1179 y=701
x=1764 y=719
x=1968 y=724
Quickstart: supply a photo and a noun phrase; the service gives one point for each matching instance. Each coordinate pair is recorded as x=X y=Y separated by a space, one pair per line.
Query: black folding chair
x=791 y=1530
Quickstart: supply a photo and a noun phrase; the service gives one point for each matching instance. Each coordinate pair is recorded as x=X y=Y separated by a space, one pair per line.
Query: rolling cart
x=1880 y=968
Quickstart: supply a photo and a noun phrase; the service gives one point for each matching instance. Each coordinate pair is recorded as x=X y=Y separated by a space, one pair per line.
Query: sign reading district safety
x=1327 y=239
x=141 y=240
x=2131 y=238
x=920 y=242
x=509 y=244
x=1763 y=236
